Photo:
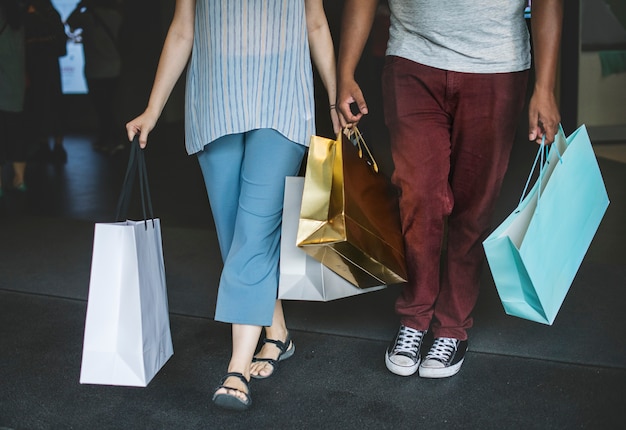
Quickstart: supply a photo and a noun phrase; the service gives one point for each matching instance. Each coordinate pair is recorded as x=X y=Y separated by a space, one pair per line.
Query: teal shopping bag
x=535 y=253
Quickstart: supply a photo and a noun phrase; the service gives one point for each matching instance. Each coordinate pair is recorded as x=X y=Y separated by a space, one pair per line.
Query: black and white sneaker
x=444 y=358
x=403 y=355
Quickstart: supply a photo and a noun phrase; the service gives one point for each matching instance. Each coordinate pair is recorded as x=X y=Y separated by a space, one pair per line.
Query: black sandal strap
x=270 y=361
x=235 y=375
x=280 y=344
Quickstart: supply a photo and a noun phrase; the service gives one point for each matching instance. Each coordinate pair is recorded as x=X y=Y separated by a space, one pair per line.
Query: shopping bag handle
x=136 y=166
x=356 y=137
x=542 y=160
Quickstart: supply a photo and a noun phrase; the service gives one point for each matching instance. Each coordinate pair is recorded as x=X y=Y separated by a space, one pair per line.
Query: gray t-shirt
x=472 y=36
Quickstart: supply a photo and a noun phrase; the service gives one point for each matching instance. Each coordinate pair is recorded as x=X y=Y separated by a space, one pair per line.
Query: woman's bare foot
x=233 y=392
x=233 y=386
x=272 y=351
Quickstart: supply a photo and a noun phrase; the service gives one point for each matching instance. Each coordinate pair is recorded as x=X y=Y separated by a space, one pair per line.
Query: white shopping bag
x=301 y=276
x=127 y=331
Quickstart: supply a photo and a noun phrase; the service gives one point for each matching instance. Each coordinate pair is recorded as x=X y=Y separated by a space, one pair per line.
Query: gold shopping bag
x=302 y=277
x=349 y=218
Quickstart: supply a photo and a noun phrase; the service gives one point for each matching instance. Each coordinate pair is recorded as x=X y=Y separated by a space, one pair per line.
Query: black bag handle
x=136 y=166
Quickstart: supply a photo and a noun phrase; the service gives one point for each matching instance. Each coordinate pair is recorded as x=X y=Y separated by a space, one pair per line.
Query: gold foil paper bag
x=349 y=219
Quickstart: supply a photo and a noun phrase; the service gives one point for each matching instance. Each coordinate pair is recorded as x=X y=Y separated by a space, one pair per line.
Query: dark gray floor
x=518 y=374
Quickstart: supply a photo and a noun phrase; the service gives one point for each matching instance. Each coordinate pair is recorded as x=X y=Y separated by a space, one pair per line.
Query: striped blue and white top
x=250 y=68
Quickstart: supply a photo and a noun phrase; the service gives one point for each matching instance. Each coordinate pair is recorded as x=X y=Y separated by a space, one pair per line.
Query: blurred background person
x=99 y=23
x=46 y=41
x=12 y=91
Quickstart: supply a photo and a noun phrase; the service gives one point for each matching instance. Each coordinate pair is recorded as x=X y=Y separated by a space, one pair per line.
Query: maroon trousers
x=451 y=137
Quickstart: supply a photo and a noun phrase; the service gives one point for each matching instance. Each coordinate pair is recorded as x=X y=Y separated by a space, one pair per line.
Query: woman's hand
x=336 y=118
x=142 y=126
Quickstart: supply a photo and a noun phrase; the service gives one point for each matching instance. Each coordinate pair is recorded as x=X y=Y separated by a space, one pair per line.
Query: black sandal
x=287 y=349
x=230 y=401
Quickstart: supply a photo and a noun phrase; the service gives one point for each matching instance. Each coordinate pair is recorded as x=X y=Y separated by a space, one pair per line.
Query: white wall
x=601 y=100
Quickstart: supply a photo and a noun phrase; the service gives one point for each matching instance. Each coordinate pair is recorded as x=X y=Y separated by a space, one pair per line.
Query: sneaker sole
x=443 y=372
x=401 y=370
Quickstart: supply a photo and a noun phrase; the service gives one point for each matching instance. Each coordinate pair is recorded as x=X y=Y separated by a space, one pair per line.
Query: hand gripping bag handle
x=136 y=166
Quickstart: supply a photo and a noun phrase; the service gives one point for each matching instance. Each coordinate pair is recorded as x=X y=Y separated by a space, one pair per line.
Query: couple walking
x=454 y=87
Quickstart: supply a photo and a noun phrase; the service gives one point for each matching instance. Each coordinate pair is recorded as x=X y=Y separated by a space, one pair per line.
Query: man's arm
x=543 y=112
x=357 y=19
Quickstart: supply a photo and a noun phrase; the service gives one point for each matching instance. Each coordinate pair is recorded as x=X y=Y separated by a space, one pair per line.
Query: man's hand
x=543 y=117
x=350 y=93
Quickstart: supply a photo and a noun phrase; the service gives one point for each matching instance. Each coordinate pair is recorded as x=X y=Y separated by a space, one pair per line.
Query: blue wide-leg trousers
x=244 y=176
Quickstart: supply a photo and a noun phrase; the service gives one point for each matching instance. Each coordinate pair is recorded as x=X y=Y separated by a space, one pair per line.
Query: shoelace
x=442 y=349
x=408 y=340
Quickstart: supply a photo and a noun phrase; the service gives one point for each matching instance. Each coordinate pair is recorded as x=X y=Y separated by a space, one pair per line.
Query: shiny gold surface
x=349 y=218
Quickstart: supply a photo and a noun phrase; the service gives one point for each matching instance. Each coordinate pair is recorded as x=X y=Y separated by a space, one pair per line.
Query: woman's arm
x=323 y=53
x=174 y=58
